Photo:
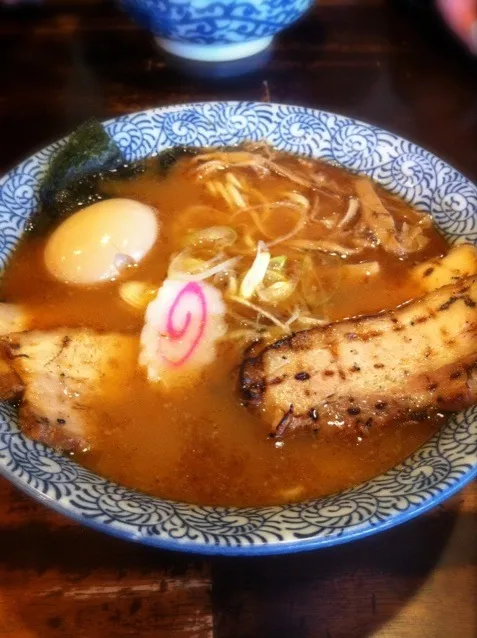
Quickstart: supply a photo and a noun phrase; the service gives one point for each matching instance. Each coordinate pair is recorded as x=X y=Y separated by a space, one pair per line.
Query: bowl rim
x=267 y=546
x=266 y=549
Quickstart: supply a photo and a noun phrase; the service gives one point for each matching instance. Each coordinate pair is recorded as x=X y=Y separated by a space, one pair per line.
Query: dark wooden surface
x=380 y=61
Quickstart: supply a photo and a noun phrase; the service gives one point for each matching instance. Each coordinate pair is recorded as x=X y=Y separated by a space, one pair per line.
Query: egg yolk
x=94 y=244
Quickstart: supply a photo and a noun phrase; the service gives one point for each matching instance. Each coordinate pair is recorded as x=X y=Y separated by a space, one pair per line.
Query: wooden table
x=380 y=61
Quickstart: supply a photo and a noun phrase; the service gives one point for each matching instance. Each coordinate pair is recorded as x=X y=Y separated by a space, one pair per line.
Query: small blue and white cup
x=215 y=30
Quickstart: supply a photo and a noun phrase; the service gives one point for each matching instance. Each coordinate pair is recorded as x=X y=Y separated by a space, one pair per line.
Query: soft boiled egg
x=97 y=242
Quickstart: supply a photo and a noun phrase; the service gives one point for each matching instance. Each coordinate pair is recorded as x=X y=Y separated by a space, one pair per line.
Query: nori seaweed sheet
x=166 y=159
x=71 y=179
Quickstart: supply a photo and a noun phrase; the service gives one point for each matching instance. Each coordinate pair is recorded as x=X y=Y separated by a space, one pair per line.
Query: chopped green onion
x=278 y=263
x=220 y=236
x=256 y=273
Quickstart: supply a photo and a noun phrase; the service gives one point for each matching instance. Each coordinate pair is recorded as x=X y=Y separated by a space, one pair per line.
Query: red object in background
x=461 y=16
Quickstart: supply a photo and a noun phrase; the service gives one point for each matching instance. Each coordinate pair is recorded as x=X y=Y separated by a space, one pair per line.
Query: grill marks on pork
x=403 y=365
x=63 y=377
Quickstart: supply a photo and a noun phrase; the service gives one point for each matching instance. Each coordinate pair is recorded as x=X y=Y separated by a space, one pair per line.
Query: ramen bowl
x=434 y=472
x=213 y=31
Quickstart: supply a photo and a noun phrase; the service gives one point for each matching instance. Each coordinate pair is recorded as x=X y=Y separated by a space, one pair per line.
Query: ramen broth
x=199 y=443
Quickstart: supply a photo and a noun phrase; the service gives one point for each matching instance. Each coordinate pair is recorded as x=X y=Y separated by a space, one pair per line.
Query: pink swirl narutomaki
x=182 y=327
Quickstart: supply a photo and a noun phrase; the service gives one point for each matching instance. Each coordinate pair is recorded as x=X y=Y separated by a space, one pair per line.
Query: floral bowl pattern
x=436 y=471
x=215 y=30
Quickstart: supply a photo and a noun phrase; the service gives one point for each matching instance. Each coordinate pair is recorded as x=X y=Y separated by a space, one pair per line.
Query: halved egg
x=97 y=242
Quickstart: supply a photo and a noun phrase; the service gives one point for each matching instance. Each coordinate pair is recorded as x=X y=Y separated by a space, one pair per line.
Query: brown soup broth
x=200 y=444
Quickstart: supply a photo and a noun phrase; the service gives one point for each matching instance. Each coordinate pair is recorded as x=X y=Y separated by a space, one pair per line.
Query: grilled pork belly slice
x=62 y=377
x=460 y=261
x=403 y=365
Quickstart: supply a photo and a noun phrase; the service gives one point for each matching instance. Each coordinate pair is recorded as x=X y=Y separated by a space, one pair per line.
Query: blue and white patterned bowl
x=437 y=470
x=215 y=30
